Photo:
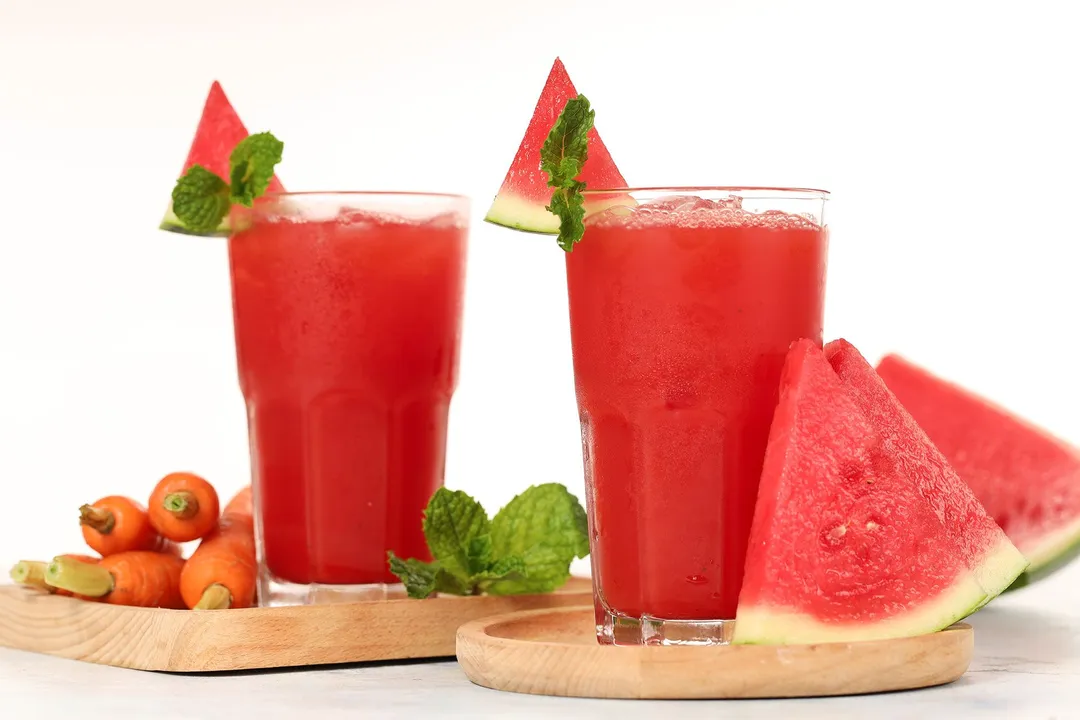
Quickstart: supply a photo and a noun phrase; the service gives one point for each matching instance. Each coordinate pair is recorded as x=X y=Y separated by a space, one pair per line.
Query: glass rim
x=366 y=193
x=760 y=191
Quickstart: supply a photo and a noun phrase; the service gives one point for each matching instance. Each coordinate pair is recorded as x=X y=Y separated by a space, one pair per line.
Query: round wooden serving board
x=554 y=652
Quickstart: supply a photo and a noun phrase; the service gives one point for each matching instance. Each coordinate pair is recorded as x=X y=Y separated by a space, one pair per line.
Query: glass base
x=277 y=593
x=615 y=629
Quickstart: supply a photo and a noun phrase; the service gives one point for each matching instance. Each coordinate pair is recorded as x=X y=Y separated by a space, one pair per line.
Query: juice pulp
x=347 y=336
x=680 y=323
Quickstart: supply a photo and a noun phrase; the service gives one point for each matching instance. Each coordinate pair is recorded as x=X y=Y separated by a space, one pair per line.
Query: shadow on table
x=310 y=668
x=1021 y=639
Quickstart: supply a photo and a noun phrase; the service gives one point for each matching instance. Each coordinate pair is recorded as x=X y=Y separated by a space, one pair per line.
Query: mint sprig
x=562 y=157
x=201 y=199
x=526 y=548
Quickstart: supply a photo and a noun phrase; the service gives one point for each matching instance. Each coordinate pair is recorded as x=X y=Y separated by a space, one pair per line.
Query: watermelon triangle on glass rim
x=862 y=530
x=1028 y=480
x=220 y=130
x=522 y=200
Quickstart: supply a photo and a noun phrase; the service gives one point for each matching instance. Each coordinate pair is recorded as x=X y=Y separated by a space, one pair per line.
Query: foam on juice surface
x=365 y=218
x=287 y=210
x=691 y=211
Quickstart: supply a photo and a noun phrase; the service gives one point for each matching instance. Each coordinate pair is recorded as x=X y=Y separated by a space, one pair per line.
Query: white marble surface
x=1027 y=667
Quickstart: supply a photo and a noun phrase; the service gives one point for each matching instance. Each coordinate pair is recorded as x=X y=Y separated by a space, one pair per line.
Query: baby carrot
x=240 y=503
x=138 y=578
x=117 y=524
x=183 y=507
x=79 y=558
x=32 y=573
x=221 y=572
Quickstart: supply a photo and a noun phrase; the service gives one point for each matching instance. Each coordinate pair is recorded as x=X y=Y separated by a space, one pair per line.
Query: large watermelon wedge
x=219 y=131
x=862 y=530
x=521 y=201
x=1027 y=479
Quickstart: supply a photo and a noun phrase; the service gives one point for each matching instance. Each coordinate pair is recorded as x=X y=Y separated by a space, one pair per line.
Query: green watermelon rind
x=1052 y=554
x=779 y=626
x=516 y=213
x=171 y=223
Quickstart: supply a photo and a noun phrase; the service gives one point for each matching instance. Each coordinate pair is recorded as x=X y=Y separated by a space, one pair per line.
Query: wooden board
x=554 y=652
x=221 y=640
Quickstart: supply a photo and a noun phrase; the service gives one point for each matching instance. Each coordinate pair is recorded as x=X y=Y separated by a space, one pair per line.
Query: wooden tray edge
x=183 y=641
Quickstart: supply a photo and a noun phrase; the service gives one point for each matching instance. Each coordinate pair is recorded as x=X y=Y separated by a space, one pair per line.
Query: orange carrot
x=138 y=578
x=117 y=524
x=240 y=503
x=183 y=507
x=221 y=572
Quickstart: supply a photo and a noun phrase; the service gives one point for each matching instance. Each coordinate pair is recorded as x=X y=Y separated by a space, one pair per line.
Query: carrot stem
x=215 y=597
x=182 y=504
x=78 y=577
x=30 y=572
x=101 y=520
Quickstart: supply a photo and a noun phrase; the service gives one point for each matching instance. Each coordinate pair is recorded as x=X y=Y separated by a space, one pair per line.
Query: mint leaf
x=453 y=525
x=200 y=199
x=570 y=207
x=422 y=579
x=562 y=157
x=510 y=568
x=417 y=575
x=251 y=166
x=543 y=515
x=451 y=585
x=545 y=569
x=480 y=553
x=547 y=528
x=507 y=566
x=567 y=145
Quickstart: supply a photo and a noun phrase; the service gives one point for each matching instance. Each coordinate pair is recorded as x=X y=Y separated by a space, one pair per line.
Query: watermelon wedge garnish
x=524 y=195
x=220 y=130
x=862 y=530
x=1028 y=480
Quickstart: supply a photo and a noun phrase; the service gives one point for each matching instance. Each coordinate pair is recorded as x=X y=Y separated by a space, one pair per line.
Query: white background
x=946 y=131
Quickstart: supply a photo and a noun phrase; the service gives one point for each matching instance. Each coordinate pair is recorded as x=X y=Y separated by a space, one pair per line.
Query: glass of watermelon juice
x=347 y=312
x=683 y=303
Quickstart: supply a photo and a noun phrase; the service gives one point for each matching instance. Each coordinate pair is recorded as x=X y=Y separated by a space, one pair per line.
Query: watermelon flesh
x=220 y=130
x=861 y=530
x=1027 y=479
x=524 y=195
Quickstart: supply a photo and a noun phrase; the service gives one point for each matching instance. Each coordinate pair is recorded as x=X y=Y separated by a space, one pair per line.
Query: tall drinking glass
x=683 y=303
x=347 y=311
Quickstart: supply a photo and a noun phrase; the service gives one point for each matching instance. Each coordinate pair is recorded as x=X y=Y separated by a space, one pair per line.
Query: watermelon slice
x=525 y=193
x=219 y=131
x=862 y=530
x=1028 y=480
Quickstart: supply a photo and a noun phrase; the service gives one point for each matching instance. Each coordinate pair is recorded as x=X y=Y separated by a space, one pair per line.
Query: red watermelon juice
x=347 y=312
x=683 y=305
